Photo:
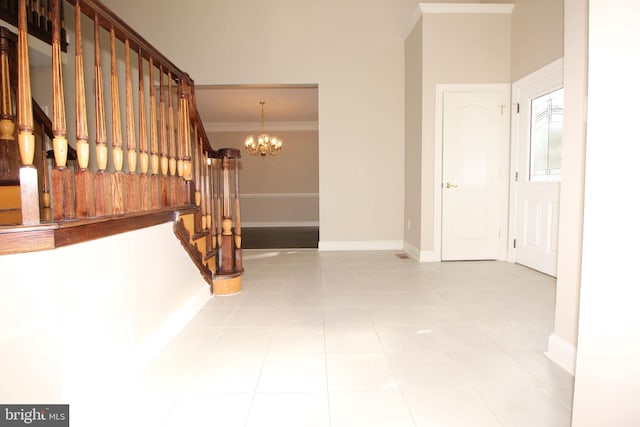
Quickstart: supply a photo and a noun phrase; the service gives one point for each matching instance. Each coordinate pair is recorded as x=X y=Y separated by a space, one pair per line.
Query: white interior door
x=537 y=143
x=475 y=143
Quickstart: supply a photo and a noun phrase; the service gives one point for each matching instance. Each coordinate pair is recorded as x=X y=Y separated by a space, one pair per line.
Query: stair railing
x=172 y=171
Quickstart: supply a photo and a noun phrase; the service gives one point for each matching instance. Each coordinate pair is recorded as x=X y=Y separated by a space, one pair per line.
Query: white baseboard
x=562 y=353
x=412 y=251
x=418 y=255
x=153 y=343
x=428 y=256
x=365 y=245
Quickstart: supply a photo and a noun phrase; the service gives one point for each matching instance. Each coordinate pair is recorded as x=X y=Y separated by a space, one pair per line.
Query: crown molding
x=255 y=126
x=456 y=8
x=477 y=8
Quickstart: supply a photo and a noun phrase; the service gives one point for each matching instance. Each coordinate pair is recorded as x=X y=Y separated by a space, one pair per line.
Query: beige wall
x=413 y=139
x=457 y=48
x=353 y=50
x=281 y=190
x=537 y=36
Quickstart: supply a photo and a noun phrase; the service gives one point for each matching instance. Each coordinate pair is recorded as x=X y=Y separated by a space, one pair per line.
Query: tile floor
x=365 y=339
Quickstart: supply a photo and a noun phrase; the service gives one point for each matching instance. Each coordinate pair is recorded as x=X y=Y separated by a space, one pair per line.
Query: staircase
x=59 y=188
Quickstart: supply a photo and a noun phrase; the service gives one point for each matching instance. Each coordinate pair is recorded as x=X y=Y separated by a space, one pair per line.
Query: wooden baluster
x=188 y=150
x=49 y=16
x=226 y=261
x=34 y=13
x=26 y=141
x=199 y=160
x=133 y=190
x=173 y=187
x=7 y=118
x=237 y=225
x=118 y=179
x=180 y=184
x=208 y=202
x=164 y=160
x=85 y=189
x=218 y=193
x=155 y=158
x=185 y=144
x=43 y=16
x=145 y=194
x=61 y=180
x=104 y=200
x=200 y=213
x=63 y=30
x=180 y=133
x=208 y=162
x=214 y=228
x=46 y=195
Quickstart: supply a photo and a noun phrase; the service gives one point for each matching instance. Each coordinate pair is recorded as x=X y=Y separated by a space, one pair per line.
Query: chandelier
x=265 y=144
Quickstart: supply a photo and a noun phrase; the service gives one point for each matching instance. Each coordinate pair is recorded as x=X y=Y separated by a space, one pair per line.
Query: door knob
x=450 y=185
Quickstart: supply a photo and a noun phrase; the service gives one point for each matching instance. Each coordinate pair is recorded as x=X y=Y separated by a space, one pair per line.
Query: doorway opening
x=279 y=194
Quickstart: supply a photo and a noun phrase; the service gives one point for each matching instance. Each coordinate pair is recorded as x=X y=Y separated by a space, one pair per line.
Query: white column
x=607 y=368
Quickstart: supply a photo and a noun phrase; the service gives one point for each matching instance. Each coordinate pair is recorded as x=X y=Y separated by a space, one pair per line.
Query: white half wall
x=79 y=322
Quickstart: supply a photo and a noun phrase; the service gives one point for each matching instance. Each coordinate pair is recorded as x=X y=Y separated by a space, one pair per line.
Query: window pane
x=546 y=137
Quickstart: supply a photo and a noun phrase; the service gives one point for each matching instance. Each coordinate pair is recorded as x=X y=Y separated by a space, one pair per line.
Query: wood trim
x=185 y=239
x=50 y=236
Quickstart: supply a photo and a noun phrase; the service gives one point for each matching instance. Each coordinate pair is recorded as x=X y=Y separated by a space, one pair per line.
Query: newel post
x=229 y=275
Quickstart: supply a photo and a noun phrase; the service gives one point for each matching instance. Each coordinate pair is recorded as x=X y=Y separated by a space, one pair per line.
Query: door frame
x=547 y=72
x=441 y=89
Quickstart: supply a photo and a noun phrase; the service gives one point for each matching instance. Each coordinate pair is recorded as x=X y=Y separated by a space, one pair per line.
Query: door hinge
x=514 y=243
x=517 y=108
x=516 y=176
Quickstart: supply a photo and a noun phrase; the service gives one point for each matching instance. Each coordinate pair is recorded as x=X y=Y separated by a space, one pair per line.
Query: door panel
x=537 y=142
x=474 y=185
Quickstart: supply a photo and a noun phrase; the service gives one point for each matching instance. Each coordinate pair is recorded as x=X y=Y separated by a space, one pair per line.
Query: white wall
x=80 y=320
x=352 y=49
x=562 y=343
x=607 y=369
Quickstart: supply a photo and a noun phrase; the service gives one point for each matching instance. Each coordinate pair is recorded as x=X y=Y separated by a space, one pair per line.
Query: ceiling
x=225 y=106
